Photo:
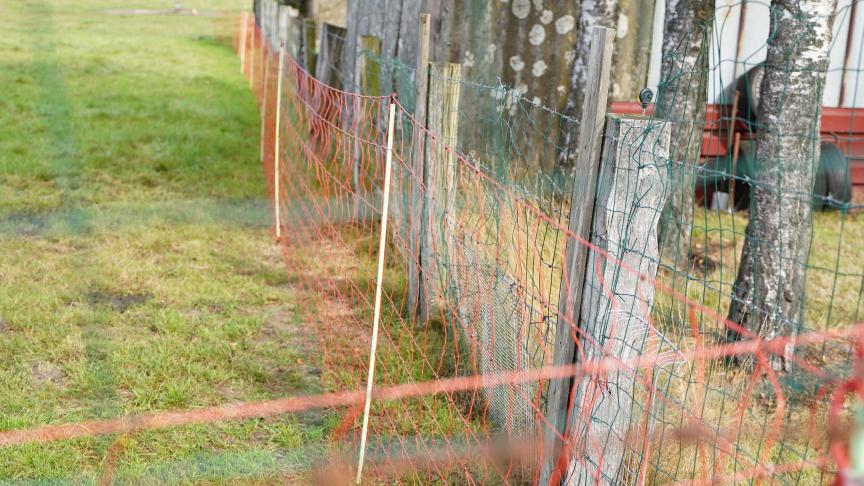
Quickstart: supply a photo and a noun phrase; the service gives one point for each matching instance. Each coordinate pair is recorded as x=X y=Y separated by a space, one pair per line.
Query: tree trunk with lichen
x=527 y=47
x=601 y=13
x=634 y=29
x=681 y=101
x=768 y=295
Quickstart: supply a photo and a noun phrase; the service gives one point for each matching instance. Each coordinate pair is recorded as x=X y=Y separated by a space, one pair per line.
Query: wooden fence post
x=293 y=36
x=309 y=45
x=265 y=25
x=576 y=254
x=370 y=69
x=327 y=68
x=439 y=171
x=370 y=79
x=415 y=210
x=277 y=204
x=273 y=21
x=612 y=414
x=268 y=23
x=283 y=18
x=264 y=82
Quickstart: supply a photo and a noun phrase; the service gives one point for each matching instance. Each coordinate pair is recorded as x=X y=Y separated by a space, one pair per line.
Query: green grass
x=835 y=266
x=138 y=273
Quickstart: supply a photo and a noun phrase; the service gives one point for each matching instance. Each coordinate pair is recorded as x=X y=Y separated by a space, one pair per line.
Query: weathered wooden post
x=576 y=253
x=273 y=21
x=611 y=410
x=293 y=33
x=415 y=211
x=283 y=19
x=439 y=172
x=308 y=54
x=277 y=204
x=328 y=66
x=369 y=78
x=266 y=35
x=264 y=81
x=265 y=25
x=370 y=69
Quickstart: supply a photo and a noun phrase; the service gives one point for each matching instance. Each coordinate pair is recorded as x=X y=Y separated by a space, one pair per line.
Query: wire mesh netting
x=495 y=207
x=716 y=324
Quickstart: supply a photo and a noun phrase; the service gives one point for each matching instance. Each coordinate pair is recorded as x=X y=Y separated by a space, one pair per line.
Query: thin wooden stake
x=733 y=141
x=264 y=98
x=381 y=246
x=252 y=58
x=245 y=32
x=276 y=144
x=736 y=147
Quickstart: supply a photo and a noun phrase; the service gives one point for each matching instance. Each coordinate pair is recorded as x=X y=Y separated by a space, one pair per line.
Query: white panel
x=854 y=90
x=656 y=60
x=723 y=46
x=834 y=77
x=754 y=41
x=727 y=62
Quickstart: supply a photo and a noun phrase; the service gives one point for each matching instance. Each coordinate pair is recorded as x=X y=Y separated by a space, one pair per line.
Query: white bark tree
x=681 y=101
x=768 y=295
x=597 y=13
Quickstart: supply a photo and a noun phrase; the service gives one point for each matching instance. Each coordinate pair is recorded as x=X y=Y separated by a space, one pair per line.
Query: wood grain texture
x=576 y=255
x=416 y=200
x=608 y=419
x=443 y=123
x=328 y=68
x=370 y=69
x=309 y=34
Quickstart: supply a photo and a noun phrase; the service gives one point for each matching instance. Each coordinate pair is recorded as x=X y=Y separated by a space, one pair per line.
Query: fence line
x=482 y=224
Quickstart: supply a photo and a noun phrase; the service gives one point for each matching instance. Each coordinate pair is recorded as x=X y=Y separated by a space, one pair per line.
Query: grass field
x=138 y=272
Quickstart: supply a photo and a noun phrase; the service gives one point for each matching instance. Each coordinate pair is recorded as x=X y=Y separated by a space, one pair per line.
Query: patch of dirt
x=119 y=301
x=43 y=372
x=4 y=326
x=323 y=282
x=702 y=263
x=281 y=326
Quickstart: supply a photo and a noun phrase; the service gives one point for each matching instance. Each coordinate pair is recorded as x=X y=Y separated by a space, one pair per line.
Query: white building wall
x=731 y=55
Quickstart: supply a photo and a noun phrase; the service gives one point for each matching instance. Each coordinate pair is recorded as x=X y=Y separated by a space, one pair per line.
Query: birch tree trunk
x=601 y=13
x=768 y=295
x=681 y=101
